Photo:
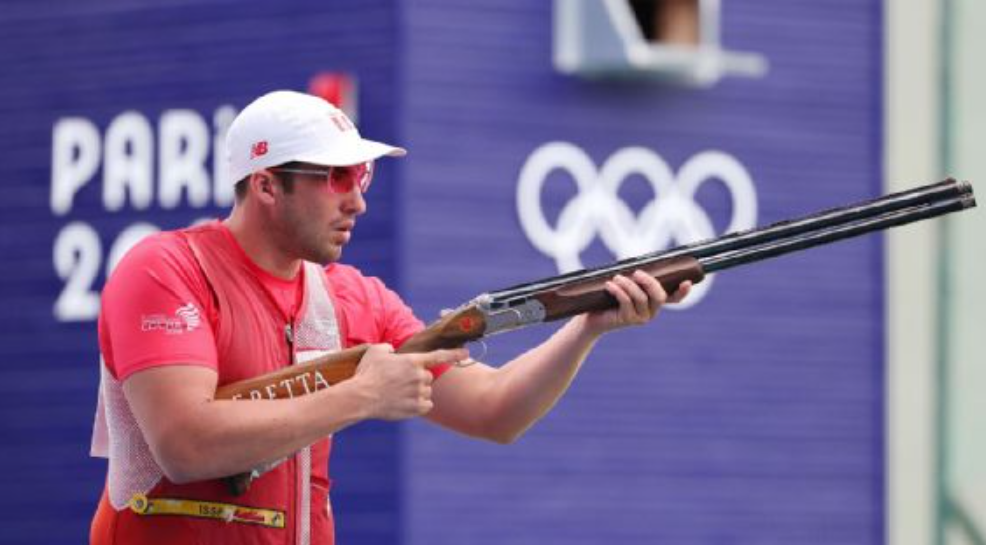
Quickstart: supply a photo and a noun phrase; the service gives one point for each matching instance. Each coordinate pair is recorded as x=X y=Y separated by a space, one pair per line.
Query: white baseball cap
x=285 y=126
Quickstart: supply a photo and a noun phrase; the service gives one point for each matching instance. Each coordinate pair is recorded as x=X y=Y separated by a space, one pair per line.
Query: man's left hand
x=640 y=296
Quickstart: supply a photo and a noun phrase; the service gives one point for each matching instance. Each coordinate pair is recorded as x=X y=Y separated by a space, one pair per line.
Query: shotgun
x=569 y=294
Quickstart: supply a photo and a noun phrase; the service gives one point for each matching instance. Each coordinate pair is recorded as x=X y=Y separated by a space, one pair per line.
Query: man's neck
x=260 y=247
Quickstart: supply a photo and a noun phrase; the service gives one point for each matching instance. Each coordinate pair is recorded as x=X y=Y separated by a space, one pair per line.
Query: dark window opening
x=671 y=22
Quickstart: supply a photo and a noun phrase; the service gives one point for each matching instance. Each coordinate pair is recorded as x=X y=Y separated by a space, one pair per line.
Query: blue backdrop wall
x=752 y=416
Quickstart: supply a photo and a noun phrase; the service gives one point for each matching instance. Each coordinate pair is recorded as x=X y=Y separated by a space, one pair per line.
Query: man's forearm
x=196 y=438
x=533 y=382
x=501 y=404
x=259 y=432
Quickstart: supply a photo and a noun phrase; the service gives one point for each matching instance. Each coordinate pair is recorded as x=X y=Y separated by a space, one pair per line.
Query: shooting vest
x=286 y=505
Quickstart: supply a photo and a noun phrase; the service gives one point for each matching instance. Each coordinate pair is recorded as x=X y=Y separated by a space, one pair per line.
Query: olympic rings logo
x=673 y=218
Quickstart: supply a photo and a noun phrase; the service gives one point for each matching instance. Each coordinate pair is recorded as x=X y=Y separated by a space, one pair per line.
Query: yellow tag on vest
x=228 y=512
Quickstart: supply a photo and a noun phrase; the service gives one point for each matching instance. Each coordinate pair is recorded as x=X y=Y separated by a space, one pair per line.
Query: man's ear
x=263 y=185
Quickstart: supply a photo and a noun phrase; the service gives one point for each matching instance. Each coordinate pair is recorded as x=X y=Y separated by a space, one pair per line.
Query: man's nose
x=355 y=202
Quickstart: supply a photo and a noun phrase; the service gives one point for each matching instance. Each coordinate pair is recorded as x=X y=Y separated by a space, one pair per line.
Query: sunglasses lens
x=345 y=179
x=340 y=180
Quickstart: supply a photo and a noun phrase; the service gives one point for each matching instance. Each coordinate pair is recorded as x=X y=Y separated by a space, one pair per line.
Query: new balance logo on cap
x=258 y=149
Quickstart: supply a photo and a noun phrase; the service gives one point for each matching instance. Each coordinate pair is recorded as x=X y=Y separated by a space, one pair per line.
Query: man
x=191 y=310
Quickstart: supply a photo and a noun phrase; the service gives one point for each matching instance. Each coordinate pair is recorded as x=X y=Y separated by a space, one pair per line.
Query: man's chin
x=323 y=255
x=329 y=255
x=334 y=256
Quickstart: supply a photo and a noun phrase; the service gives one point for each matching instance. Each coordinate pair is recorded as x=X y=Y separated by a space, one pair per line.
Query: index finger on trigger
x=441 y=357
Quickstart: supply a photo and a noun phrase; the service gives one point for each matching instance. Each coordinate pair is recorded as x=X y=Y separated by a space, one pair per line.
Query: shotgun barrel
x=810 y=239
x=904 y=204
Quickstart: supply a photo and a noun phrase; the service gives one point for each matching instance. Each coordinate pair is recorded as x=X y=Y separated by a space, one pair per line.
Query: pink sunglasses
x=342 y=180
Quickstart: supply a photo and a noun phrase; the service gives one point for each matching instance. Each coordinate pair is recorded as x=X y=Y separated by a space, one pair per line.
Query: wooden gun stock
x=453 y=330
x=299 y=379
x=591 y=295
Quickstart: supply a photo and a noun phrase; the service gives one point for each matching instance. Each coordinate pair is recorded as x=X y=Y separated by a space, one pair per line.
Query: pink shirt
x=162 y=311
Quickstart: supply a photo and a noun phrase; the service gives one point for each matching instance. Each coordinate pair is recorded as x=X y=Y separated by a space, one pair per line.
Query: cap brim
x=363 y=151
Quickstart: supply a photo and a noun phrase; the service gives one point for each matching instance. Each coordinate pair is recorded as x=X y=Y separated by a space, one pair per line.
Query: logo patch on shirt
x=190 y=315
x=186 y=318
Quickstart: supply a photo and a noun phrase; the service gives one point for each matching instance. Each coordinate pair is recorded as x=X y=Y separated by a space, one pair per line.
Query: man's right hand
x=398 y=386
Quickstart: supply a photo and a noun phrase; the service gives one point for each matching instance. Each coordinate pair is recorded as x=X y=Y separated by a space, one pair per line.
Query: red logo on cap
x=342 y=123
x=258 y=149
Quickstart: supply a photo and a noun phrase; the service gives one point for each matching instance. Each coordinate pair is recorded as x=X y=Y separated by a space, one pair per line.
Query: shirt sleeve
x=400 y=323
x=372 y=312
x=397 y=320
x=156 y=310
